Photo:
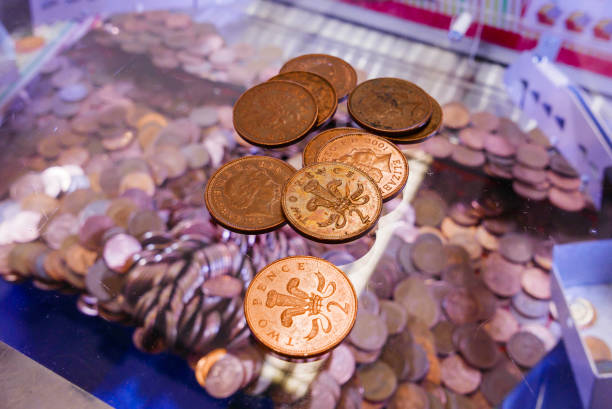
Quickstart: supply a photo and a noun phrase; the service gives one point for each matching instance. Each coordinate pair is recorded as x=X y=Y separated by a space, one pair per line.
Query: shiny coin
x=375 y=156
x=275 y=113
x=319 y=87
x=338 y=72
x=390 y=106
x=300 y=306
x=244 y=195
x=583 y=312
x=378 y=380
x=331 y=202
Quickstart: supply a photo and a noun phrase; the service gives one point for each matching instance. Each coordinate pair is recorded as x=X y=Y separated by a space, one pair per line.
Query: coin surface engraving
x=244 y=195
x=378 y=158
x=331 y=202
x=300 y=306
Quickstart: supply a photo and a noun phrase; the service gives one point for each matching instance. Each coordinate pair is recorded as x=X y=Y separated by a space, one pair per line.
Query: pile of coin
x=502 y=150
x=174 y=40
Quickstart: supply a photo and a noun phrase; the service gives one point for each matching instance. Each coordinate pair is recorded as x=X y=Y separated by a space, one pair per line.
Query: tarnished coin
x=479 y=349
x=525 y=349
x=378 y=380
x=459 y=376
x=409 y=396
x=439 y=149
x=501 y=276
x=516 y=247
x=369 y=332
x=390 y=106
x=300 y=306
x=338 y=72
x=502 y=326
x=313 y=147
x=414 y=296
x=341 y=364
x=331 y=202
x=225 y=377
x=378 y=158
x=429 y=208
x=275 y=113
x=319 y=87
x=244 y=195
x=496 y=384
x=460 y=306
x=568 y=201
x=394 y=315
x=484 y=120
x=532 y=155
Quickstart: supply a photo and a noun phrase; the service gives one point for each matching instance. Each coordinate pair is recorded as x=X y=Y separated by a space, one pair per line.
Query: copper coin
x=469 y=243
x=568 y=201
x=300 y=306
x=598 y=349
x=473 y=138
x=536 y=283
x=206 y=362
x=468 y=157
x=414 y=296
x=560 y=165
x=429 y=208
x=544 y=334
x=528 y=175
x=530 y=307
x=378 y=158
x=331 y=202
x=394 y=315
x=501 y=276
x=313 y=147
x=563 y=182
x=224 y=286
x=463 y=214
x=390 y=106
x=244 y=195
x=459 y=376
x=499 y=146
x=338 y=72
x=525 y=349
x=437 y=149
x=275 y=114
x=516 y=247
x=319 y=87
x=341 y=364
x=529 y=191
x=225 y=377
x=486 y=239
x=428 y=256
x=378 y=380
x=79 y=259
x=502 y=326
x=532 y=155
x=460 y=306
x=119 y=252
x=443 y=336
x=479 y=349
x=484 y=120
x=456 y=115
x=499 y=382
x=369 y=332
x=409 y=396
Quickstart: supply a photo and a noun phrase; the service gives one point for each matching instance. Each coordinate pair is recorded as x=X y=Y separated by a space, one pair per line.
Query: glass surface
x=106 y=152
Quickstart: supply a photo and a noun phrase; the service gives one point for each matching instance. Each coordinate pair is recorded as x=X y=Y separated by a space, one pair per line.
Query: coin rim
x=414 y=128
x=425 y=132
x=208 y=200
x=331 y=113
x=284 y=143
x=402 y=183
x=315 y=352
x=328 y=240
x=351 y=70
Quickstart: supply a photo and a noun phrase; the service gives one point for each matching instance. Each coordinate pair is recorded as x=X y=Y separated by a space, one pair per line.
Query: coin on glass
x=244 y=195
x=390 y=106
x=275 y=113
x=456 y=115
x=322 y=91
x=583 y=312
x=331 y=202
x=378 y=158
x=338 y=72
x=597 y=347
x=300 y=306
x=312 y=148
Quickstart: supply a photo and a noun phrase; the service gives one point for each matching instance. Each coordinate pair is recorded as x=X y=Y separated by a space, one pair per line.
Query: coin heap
x=503 y=151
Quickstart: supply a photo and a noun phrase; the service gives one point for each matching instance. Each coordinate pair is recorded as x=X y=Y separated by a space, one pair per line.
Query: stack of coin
x=504 y=151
